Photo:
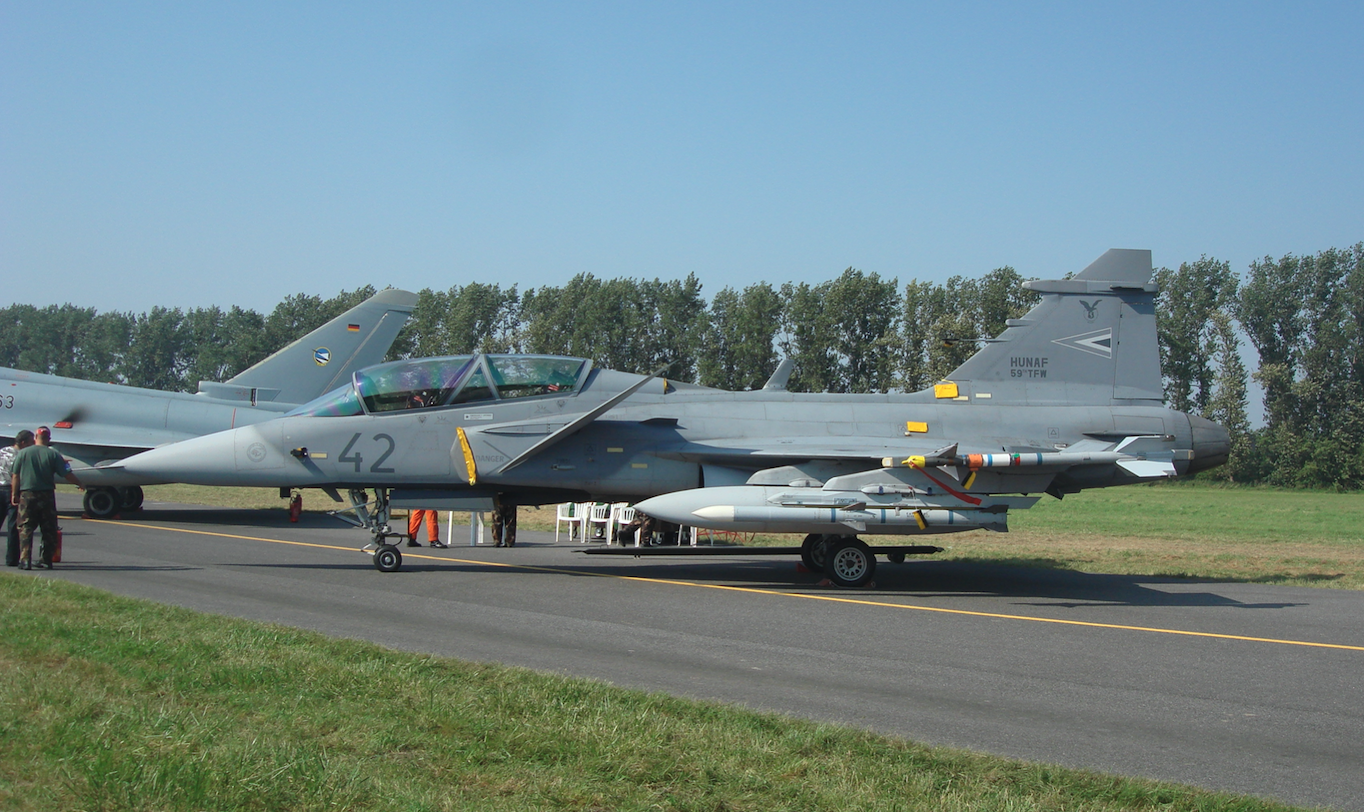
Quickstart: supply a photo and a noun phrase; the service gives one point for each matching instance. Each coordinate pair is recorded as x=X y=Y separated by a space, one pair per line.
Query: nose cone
x=207 y=460
x=1211 y=444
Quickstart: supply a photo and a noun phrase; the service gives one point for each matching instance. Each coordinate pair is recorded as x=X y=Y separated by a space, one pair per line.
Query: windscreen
x=340 y=402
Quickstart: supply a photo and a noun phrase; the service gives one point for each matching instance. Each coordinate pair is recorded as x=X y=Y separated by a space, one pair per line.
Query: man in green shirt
x=33 y=490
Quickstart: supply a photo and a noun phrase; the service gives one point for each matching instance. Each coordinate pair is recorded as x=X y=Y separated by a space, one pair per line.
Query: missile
x=975 y=462
x=767 y=509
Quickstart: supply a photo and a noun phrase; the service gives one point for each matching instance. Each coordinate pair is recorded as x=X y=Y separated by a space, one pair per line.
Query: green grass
x=1261 y=535
x=1264 y=535
x=111 y=703
x=1202 y=513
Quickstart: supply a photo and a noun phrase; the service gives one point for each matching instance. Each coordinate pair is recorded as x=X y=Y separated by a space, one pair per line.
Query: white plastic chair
x=600 y=514
x=575 y=516
x=624 y=514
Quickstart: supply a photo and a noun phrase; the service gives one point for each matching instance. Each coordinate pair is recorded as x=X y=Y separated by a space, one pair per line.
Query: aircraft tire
x=850 y=563
x=132 y=497
x=895 y=558
x=102 y=503
x=813 y=550
x=388 y=558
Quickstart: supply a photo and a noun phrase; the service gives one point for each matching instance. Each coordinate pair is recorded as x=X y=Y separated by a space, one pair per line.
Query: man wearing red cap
x=33 y=491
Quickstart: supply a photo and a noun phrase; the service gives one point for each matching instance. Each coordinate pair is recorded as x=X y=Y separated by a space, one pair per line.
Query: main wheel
x=101 y=503
x=387 y=558
x=813 y=551
x=850 y=563
x=131 y=496
x=895 y=558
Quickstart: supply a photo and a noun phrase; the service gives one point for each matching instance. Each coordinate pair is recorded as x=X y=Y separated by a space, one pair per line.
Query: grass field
x=1306 y=538
x=114 y=704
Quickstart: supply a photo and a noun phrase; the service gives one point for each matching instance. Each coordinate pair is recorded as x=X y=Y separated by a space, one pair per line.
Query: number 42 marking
x=376 y=468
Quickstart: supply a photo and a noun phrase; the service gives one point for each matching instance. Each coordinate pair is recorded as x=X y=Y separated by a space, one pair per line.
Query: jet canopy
x=433 y=383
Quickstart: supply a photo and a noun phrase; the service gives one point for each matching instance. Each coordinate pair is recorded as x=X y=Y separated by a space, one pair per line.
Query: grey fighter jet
x=97 y=423
x=1066 y=398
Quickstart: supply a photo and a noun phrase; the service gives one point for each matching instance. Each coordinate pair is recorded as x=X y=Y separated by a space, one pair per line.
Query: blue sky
x=186 y=154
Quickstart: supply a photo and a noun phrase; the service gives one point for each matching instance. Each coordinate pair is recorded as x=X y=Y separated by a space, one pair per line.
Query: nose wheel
x=388 y=558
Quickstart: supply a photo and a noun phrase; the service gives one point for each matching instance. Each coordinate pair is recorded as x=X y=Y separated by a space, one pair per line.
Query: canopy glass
x=431 y=383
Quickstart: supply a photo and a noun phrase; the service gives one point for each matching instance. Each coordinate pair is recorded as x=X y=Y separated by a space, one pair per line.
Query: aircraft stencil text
x=1028 y=366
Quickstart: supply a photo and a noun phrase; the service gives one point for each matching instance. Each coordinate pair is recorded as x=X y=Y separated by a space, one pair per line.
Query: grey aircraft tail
x=1091 y=340
x=325 y=358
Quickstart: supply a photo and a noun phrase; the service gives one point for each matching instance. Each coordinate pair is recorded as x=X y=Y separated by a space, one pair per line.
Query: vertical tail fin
x=325 y=358
x=1091 y=340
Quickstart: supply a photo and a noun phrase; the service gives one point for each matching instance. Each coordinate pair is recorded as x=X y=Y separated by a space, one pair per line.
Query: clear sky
x=186 y=154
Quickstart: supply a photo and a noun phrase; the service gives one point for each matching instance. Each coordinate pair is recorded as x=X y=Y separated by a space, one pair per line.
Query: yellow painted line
x=760 y=591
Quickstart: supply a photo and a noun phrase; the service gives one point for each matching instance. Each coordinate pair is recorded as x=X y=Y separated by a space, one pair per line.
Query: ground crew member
x=414 y=525
x=504 y=525
x=9 y=517
x=33 y=491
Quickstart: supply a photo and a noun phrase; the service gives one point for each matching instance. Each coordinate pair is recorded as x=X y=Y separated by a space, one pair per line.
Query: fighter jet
x=96 y=423
x=1066 y=398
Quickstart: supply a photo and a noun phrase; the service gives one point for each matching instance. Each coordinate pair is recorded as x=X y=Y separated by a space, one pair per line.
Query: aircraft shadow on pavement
x=921 y=579
x=238 y=517
x=925 y=578
x=1041 y=586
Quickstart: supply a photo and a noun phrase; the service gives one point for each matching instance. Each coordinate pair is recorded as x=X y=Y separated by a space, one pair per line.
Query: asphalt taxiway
x=1240 y=687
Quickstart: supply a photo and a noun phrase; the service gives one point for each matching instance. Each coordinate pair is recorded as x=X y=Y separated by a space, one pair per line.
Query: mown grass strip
x=113 y=703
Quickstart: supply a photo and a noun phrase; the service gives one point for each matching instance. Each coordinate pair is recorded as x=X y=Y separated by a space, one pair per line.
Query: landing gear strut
x=374 y=518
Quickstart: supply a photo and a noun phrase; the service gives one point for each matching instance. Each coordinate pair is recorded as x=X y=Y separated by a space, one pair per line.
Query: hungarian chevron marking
x=1098 y=342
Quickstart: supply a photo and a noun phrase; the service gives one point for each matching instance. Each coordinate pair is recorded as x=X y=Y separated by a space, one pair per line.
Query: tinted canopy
x=431 y=383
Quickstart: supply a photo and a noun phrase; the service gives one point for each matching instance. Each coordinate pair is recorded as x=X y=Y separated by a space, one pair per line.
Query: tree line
x=855 y=333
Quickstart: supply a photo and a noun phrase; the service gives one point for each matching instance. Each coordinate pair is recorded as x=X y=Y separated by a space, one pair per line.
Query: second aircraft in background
x=94 y=423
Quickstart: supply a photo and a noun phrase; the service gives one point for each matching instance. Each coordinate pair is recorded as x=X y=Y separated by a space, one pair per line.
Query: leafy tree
x=423 y=335
x=102 y=349
x=924 y=304
x=156 y=358
x=998 y=297
x=863 y=311
x=219 y=344
x=738 y=346
x=1227 y=404
x=807 y=338
x=673 y=335
x=1188 y=300
x=1302 y=314
x=623 y=324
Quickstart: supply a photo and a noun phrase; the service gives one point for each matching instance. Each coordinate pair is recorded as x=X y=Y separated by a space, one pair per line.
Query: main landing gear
x=849 y=562
x=845 y=560
x=104 y=503
x=374 y=518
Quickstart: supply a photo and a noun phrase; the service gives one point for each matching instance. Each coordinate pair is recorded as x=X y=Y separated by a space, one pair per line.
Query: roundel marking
x=322 y=355
x=255 y=452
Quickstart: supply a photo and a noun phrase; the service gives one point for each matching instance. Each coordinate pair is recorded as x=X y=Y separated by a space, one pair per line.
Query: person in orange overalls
x=414 y=525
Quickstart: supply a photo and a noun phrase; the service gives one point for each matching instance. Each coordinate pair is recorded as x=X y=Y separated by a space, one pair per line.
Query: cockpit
x=433 y=383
